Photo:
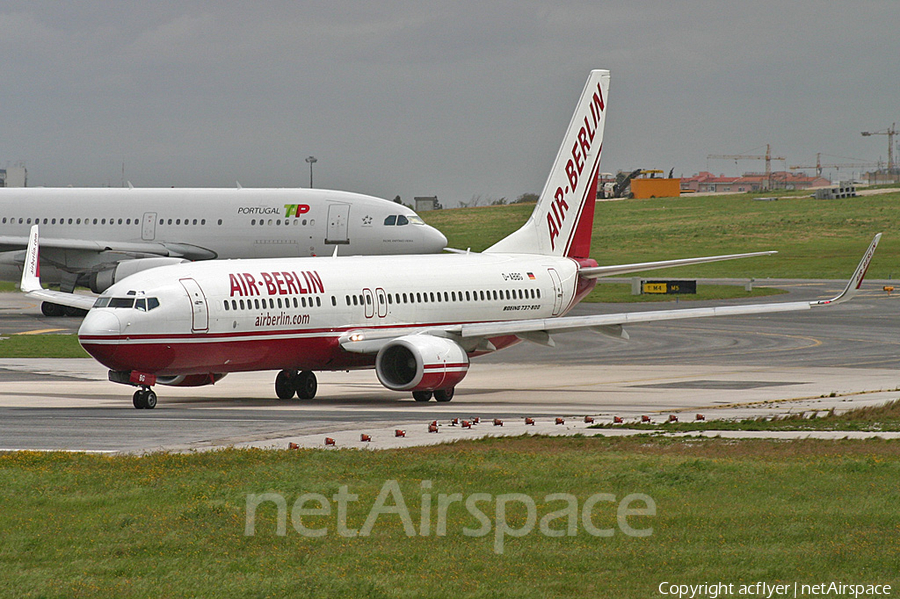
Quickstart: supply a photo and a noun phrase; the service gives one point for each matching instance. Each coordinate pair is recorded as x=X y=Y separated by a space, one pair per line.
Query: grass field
x=871 y=419
x=174 y=525
x=41 y=346
x=815 y=238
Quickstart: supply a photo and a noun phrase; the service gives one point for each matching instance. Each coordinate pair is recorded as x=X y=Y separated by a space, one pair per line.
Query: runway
x=839 y=358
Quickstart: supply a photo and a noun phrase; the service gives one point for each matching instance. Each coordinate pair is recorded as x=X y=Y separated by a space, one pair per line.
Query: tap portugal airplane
x=417 y=320
x=96 y=237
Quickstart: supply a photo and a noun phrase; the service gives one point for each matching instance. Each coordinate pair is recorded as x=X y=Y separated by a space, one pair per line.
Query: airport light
x=311 y=160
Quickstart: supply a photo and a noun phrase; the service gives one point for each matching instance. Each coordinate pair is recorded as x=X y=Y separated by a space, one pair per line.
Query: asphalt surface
x=840 y=357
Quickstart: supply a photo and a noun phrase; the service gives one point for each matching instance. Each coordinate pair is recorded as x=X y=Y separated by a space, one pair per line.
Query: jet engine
x=101 y=280
x=190 y=380
x=421 y=363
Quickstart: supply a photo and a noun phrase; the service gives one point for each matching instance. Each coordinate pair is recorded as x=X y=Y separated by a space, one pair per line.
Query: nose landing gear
x=144 y=399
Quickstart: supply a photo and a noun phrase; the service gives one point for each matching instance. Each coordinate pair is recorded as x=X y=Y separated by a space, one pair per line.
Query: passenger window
x=226 y=305
x=319 y=302
x=391 y=220
x=401 y=220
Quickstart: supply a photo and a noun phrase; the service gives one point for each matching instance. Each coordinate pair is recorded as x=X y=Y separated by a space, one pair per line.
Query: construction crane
x=767 y=157
x=819 y=166
x=890 y=135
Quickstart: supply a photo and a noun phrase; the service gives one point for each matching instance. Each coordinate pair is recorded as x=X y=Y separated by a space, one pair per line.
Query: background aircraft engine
x=101 y=280
x=421 y=363
x=190 y=380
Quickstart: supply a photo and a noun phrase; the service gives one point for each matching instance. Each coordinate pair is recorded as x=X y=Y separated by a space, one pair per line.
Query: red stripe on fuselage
x=239 y=352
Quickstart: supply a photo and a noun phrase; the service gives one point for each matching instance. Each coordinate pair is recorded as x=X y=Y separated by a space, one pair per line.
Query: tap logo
x=295 y=209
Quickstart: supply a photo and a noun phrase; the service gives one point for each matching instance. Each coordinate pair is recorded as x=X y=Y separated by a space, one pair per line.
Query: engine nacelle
x=102 y=280
x=421 y=363
x=190 y=380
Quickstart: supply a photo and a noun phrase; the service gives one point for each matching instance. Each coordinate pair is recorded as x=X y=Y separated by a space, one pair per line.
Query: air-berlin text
x=275 y=283
x=559 y=208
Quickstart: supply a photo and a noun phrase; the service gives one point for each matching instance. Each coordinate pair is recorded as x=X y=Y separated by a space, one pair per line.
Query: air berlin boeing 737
x=416 y=319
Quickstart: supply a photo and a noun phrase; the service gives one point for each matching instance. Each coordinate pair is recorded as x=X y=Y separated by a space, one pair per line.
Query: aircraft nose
x=98 y=335
x=434 y=240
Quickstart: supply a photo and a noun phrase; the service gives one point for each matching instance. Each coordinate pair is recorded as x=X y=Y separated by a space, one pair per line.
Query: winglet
x=856 y=280
x=31 y=270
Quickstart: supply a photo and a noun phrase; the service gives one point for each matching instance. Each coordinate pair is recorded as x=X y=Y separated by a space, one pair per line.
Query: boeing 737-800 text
x=96 y=237
x=417 y=320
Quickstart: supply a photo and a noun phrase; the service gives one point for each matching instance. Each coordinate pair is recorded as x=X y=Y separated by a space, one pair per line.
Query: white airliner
x=96 y=237
x=416 y=319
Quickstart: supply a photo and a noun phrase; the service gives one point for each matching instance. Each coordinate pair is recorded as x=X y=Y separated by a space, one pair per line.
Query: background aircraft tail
x=563 y=218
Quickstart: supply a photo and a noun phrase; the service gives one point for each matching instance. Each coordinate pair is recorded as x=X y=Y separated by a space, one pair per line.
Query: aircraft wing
x=31 y=281
x=10 y=243
x=540 y=330
x=595 y=272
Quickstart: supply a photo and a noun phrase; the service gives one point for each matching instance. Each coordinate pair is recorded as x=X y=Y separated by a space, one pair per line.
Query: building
x=426 y=203
x=14 y=176
x=750 y=182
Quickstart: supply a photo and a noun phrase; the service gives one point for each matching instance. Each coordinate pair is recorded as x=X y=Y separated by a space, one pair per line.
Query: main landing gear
x=51 y=309
x=440 y=395
x=289 y=382
x=144 y=399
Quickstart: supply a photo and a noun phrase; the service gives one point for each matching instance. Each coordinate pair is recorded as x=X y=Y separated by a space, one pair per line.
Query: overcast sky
x=455 y=99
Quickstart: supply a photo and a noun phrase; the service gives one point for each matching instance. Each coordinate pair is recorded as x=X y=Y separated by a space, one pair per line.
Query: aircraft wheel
x=306 y=385
x=51 y=309
x=444 y=394
x=422 y=395
x=144 y=399
x=285 y=384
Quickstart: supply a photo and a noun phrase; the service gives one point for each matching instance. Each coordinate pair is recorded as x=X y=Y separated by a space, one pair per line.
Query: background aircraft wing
x=135 y=249
x=31 y=281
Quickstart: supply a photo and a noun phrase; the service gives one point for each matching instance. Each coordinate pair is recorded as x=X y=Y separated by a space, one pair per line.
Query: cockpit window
x=402 y=220
x=414 y=219
x=391 y=220
x=121 y=302
x=143 y=304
